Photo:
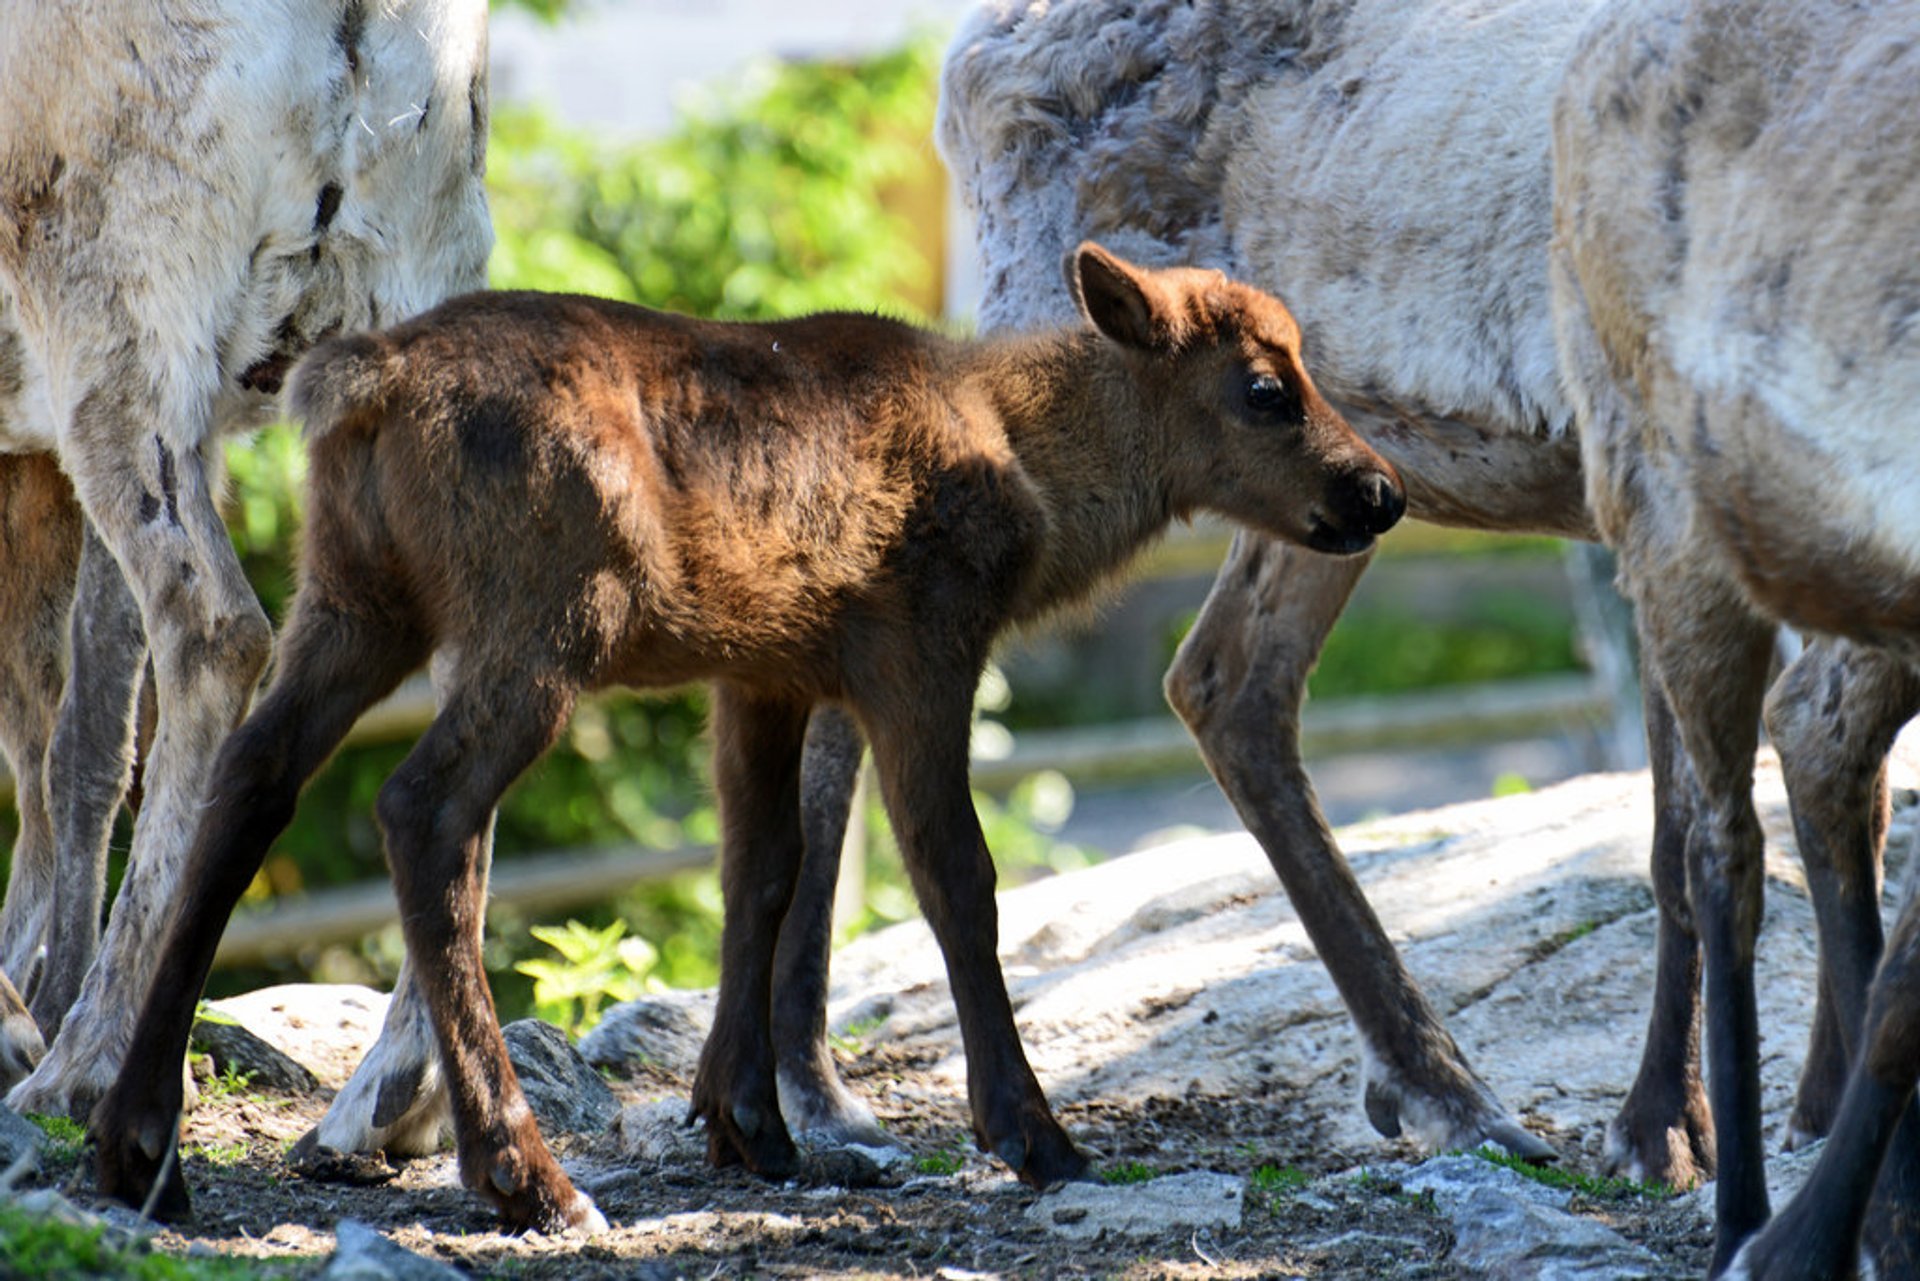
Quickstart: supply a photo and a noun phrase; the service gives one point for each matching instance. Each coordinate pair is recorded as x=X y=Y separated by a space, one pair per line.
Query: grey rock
x=658 y=1132
x=364 y=1255
x=667 y=1028
x=1174 y=1202
x=232 y=1046
x=19 y=1137
x=1504 y=1238
x=566 y=1094
x=1451 y=1179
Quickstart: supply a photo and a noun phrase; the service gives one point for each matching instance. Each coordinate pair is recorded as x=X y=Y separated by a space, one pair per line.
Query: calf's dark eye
x=1270 y=397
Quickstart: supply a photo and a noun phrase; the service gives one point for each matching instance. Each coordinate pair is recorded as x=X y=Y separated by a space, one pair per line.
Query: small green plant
x=1272 y=1179
x=1553 y=1176
x=228 y=1082
x=941 y=1163
x=853 y=1038
x=594 y=966
x=1129 y=1172
x=65 y=1137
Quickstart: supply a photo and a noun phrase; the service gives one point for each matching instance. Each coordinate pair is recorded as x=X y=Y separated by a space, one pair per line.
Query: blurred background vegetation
x=796 y=188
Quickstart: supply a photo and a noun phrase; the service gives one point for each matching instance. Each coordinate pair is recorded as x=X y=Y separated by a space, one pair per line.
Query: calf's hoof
x=134 y=1153
x=750 y=1135
x=534 y=1195
x=1040 y=1154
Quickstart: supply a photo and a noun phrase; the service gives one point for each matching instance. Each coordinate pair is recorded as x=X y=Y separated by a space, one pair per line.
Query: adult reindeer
x=1737 y=287
x=1386 y=165
x=191 y=193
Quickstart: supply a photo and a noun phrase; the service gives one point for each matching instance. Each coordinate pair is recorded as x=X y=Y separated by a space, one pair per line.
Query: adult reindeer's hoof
x=135 y=1148
x=820 y=1110
x=1459 y=1121
x=396 y=1101
x=78 y=1070
x=1669 y=1143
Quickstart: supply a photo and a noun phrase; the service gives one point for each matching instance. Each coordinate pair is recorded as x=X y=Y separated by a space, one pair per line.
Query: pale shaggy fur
x=191 y=193
x=1738 y=300
x=1382 y=163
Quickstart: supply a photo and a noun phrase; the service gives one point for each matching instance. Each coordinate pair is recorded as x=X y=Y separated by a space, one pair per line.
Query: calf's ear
x=1120 y=299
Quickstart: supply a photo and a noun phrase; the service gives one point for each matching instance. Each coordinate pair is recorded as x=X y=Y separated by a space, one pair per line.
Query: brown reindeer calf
x=555 y=494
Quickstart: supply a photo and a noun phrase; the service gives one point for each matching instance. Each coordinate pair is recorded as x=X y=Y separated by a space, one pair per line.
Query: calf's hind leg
x=756 y=769
x=813 y=1099
x=328 y=675
x=436 y=812
x=920 y=754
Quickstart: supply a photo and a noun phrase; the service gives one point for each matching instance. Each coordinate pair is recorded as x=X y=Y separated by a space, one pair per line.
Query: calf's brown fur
x=555 y=494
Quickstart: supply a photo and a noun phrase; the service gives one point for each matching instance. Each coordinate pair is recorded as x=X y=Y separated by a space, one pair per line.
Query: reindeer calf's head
x=1247 y=433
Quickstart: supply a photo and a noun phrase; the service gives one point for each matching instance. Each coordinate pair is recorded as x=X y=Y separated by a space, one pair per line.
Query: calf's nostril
x=1382 y=502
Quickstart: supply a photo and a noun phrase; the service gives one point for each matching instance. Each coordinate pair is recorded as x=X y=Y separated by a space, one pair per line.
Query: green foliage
x=944 y=1164
x=65 y=1138
x=34 y=1245
x=1553 y=1176
x=229 y=1082
x=1273 y=1179
x=594 y=965
x=767 y=199
x=1125 y=1172
x=1499 y=635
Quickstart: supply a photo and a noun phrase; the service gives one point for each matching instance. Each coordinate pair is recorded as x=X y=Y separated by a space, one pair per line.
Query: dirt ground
x=1179 y=1020
x=685 y=1220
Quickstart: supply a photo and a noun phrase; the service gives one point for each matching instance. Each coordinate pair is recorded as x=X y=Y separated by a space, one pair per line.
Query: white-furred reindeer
x=192 y=192
x=1737 y=289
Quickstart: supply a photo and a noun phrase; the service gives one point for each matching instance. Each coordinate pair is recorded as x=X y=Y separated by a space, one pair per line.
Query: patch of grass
x=66 y=1141
x=229 y=1082
x=1279 y=1178
x=943 y=1164
x=1129 y=1172
x=224 y=1155
x=1553 y=1176
x=33 y=1245
x=853 y=1040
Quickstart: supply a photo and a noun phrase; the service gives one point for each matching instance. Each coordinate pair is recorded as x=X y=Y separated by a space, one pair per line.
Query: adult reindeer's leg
x=1238 y=683
x=151 y=501
x=812 y=1097
x=40 y=532
x=920 y=754
x=1711 y=655
x=1869 y=1171
x=1833 y=717
x=1664 y=1130
x=436 y=812
x=329 y=673
x=758 y=742
x=92 y=757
